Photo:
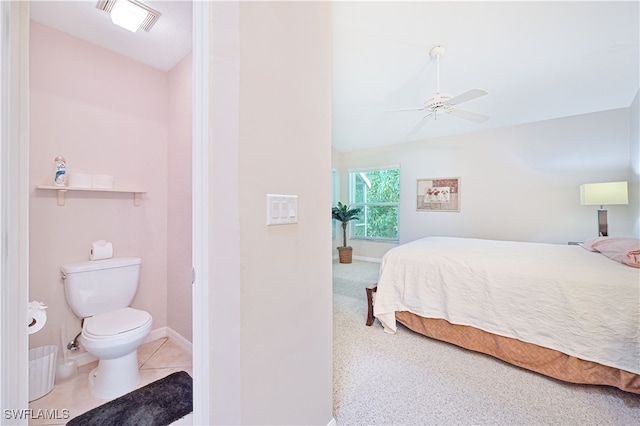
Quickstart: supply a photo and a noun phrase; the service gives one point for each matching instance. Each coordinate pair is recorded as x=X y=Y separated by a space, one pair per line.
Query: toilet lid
x=116 y=322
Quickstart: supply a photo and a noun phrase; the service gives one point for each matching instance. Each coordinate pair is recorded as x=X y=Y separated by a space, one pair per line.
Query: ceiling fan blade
x=467 y=96
x=420 y=124
x=468 y=115
x=405 y=109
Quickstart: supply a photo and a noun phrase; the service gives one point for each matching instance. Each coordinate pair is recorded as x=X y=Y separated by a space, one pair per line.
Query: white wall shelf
x=62 y=190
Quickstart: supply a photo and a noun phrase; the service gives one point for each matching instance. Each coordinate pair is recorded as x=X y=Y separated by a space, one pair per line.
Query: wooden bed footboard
x=370 y=290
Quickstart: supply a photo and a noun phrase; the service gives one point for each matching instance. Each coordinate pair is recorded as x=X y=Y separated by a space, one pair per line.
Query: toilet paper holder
x=37 y=316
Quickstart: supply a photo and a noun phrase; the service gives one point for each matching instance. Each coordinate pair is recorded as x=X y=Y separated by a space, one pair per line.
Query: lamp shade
x=606 y=193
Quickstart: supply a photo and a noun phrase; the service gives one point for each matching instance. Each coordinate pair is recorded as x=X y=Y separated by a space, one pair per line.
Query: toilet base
x=115 y=377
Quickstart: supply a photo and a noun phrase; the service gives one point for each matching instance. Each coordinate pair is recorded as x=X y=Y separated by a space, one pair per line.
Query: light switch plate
x=282 y=209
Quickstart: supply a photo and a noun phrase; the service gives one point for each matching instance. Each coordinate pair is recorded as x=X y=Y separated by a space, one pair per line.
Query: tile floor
x=156 y=359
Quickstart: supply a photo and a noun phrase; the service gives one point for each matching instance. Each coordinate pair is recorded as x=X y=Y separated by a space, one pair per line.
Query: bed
x=570 y=312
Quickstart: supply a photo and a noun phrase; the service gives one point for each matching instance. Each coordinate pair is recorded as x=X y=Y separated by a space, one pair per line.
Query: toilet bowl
x=100 y=293
x=114 y=337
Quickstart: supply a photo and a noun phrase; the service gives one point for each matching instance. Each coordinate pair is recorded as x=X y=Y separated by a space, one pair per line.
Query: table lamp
x=602 y=194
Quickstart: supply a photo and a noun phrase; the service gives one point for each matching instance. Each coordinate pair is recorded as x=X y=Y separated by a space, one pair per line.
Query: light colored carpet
x=408 y=379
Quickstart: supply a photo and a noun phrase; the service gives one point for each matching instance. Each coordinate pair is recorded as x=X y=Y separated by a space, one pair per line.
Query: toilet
x=100 y=293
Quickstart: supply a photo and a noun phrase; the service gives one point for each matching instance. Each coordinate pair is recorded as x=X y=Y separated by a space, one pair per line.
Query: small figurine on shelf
x=60 y=166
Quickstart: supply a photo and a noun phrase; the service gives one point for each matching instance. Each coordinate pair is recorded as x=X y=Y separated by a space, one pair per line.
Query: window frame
x=335 y=196
x=352 y=193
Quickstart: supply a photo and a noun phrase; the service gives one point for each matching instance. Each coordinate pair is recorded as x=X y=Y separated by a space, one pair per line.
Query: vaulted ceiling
x=537 y=60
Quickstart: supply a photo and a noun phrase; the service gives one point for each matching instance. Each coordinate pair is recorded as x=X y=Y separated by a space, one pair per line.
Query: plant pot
x=345 y=254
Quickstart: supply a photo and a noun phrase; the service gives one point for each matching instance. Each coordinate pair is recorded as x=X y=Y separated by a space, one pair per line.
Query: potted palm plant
x=345 y=214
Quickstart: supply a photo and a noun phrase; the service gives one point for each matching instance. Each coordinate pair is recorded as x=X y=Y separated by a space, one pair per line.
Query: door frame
x=14 y=210
x=200 y=210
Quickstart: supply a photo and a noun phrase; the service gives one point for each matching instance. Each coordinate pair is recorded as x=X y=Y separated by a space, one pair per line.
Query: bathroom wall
x=105 y=114
x=179 y=303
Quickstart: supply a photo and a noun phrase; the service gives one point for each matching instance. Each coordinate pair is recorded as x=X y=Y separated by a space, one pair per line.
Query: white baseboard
x=155 y=334
x=332 y=422
x=180 y=341
x=367 y=259
x=83 y=358
x=363 y=258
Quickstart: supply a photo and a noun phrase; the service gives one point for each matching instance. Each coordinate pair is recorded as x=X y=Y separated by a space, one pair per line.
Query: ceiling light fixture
x=130 y=14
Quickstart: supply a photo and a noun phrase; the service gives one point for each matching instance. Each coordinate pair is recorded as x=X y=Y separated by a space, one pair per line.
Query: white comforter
x=558 y=296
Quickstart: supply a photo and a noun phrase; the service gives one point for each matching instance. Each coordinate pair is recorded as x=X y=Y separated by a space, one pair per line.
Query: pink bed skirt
x=526 y=355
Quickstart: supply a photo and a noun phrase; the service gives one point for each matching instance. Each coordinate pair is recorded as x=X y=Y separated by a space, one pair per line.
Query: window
x=377 y=193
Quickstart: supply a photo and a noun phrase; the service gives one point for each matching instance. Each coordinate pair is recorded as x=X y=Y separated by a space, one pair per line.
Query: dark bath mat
x=157 y=404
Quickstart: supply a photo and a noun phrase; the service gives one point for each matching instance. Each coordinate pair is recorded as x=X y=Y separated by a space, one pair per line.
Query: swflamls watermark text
x=41 y=413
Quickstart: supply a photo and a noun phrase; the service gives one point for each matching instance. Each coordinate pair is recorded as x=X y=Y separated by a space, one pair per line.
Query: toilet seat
x=116 y=322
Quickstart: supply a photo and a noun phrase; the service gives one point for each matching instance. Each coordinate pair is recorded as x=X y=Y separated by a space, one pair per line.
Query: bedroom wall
x=634 y=155
x=517 y=183
x=336 y=164
x=105 y=114
x=179 y=288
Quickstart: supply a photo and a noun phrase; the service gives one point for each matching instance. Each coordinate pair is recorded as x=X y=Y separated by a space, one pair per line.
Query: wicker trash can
x=42 y=370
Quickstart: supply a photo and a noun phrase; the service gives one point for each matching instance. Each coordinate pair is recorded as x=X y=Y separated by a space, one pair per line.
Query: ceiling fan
x=441 y=103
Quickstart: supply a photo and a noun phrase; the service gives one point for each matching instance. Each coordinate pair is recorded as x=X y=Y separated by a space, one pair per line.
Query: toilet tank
x=98 y=286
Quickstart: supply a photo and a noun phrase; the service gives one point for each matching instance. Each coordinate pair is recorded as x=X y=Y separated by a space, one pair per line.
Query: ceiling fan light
x=128 y=15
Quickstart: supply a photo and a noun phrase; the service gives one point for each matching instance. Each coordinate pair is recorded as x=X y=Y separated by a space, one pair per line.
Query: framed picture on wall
x=438 y=195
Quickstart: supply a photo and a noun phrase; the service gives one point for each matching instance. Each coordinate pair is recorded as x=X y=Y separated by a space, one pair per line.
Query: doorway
x=15 y=205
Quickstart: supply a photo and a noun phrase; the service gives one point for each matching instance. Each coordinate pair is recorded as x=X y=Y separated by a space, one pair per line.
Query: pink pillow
x=624 y=250
x=588 y=245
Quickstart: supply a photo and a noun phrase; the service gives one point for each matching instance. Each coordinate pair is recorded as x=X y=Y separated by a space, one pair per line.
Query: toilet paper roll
x=37 y=320
x=101 y=249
